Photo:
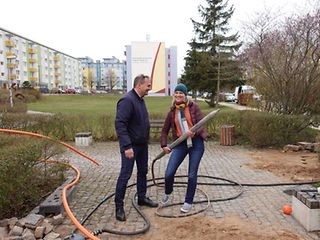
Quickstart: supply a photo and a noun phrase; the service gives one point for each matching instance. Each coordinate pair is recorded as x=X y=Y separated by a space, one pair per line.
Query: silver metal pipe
x=185 y=135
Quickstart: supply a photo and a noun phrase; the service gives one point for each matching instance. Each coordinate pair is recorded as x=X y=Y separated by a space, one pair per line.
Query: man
x=132 y=127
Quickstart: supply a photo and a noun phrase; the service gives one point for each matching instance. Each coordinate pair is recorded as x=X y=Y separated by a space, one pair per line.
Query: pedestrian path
x=259 y=204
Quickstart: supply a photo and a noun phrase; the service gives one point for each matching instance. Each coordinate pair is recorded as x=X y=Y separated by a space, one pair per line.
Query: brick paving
x=260 y=204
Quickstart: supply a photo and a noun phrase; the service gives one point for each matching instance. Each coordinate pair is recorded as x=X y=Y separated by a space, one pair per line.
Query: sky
x=101 y=29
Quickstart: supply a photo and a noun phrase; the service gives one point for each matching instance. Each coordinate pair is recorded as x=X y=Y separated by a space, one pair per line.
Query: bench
x=83 y=139
x=155 y=129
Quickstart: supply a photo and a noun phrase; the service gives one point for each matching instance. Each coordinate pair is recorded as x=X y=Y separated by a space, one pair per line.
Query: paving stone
x=52 y=236
x=39 y=232
x=28 y=235
x=261 y=204
x=16 y=231
x=33 y=220
x=3 y=232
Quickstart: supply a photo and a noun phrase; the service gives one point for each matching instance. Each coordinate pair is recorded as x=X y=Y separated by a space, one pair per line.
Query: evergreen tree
x=211 y=62
x=196 y=69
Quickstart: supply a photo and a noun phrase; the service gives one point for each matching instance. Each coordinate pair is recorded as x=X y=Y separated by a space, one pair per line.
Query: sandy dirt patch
x=292 y=166
x=207 y=228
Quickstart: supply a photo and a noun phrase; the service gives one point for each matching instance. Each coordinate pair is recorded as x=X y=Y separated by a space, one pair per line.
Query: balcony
x=33 y=78
x=56 y=74
x=9 y=54
x=32 y=70
x=56 y=66
x=12 y=76
x=9 y=43
x=11 y=65
x=56 y=58
x=31 y=51
x=32 y=60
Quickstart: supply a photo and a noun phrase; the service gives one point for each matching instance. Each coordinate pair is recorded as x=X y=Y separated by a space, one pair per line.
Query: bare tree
x=88 y=79
x=112 y=79
x=284 y=63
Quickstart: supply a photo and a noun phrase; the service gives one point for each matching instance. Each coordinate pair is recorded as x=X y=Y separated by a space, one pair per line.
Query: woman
x=183 y=114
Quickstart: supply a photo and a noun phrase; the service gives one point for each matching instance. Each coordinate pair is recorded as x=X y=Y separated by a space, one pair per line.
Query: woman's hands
x=190 y=133
x=166 y=150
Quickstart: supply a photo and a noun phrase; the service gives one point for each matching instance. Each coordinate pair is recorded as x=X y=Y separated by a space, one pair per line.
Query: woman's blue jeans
x=177 y=156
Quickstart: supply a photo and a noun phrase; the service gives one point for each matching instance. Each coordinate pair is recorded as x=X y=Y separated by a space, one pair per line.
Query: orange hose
x=64 y=190
x=46 y=137
x=81 y=228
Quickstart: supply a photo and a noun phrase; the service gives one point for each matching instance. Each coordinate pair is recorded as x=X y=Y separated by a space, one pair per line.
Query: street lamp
x=9 y=59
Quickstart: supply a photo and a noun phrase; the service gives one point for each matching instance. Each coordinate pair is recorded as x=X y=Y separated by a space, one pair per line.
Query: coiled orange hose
x=81 y=228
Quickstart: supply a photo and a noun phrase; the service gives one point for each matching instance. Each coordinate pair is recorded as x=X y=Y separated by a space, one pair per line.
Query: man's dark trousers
x=141 y=158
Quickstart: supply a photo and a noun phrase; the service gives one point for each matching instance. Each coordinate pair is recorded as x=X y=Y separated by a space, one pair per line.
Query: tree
x=196 y=69
x=88 y=78
x=285 y=63
x=112 y=78
x=26 y=85
x=214 y=47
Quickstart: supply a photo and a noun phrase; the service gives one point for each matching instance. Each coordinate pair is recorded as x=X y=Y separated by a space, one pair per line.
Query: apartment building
x=108 y=74
x=89 y=73
x=113 y=74
x=22 y=59
x=155 y=60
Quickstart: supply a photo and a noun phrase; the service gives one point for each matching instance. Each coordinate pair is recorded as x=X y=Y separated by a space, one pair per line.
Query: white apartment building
x=113 y=74
x=22 y=59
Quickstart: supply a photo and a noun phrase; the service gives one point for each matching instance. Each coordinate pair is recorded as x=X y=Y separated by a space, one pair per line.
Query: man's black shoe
x=147 y=202
x=120 y=215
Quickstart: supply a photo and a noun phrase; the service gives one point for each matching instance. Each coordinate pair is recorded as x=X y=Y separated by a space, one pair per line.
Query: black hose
x=179 y=184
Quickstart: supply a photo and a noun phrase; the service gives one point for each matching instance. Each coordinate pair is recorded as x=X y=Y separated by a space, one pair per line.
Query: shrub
x=61 y=126
x=104 y=129
x=251 y=127
x=317 y=147
x=24 y=180
x=20 y=99
x=263 y=129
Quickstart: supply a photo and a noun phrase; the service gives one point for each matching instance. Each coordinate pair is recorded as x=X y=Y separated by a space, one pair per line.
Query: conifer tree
x=211 y=63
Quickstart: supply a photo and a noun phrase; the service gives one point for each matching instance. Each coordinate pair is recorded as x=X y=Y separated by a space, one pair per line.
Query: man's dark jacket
x=132 y=121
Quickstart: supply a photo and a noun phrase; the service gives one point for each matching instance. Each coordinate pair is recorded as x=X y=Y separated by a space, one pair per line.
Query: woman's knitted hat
x=182 y=88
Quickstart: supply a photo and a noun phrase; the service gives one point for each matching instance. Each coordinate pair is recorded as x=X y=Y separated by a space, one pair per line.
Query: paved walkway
x=235 y=106
x=260 y=204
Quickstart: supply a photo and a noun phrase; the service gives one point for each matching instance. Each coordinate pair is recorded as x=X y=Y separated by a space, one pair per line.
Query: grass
x=99 y=104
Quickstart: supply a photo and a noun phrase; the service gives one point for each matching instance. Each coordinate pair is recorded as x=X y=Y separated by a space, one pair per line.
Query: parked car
x=229 y=97
x=83 y=91
x=57 y=91
x=44 y=90
x=246 y=89
x=206 y=95
x=70 y=91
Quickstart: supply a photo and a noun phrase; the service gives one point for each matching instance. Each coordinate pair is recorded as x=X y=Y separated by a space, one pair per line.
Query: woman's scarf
x=183 y=121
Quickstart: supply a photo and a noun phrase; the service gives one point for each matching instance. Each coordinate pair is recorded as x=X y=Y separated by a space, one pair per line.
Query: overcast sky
x=101 y=28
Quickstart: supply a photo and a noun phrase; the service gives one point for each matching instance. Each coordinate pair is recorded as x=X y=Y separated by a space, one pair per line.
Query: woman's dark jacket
x=196 y=116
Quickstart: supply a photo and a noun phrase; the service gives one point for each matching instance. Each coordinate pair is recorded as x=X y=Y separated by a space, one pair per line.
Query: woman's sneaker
x=165 y=199
x=186 y=207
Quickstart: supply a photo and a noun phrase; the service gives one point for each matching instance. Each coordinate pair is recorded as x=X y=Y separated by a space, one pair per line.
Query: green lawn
x=98 y=104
